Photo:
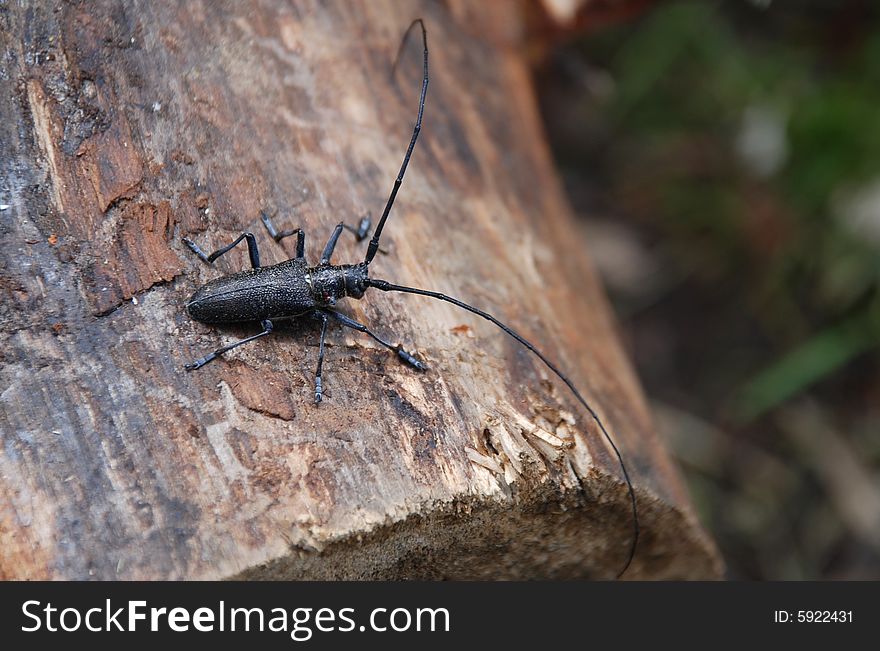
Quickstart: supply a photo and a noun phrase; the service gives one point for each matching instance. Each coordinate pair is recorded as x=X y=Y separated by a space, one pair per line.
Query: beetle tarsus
x=196 y=249
x=199 y=363
x=407 y=358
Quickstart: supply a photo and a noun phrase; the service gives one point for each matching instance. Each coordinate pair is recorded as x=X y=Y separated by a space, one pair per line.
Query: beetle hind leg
x=210 y=357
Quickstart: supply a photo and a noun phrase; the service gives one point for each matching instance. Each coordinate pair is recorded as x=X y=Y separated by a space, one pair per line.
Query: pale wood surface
x=124 y=126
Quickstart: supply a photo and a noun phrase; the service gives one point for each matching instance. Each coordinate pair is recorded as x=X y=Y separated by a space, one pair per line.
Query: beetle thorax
x=329 y=283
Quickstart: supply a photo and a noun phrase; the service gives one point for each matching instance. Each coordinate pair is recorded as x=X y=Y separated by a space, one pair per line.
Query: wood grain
x=125 y=126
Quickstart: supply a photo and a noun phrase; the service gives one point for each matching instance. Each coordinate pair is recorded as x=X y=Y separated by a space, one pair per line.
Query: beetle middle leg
x=404 y=356
x=253 y=251
x=280 y=235
x=199 y=363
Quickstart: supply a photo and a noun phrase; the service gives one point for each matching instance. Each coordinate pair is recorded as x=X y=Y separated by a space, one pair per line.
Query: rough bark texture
x=124 y=126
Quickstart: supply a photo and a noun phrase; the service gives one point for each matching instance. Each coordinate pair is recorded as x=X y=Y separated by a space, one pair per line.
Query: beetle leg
x=360 y=233
x=331 y=244
x=199 y=363
x=253 y=251
x=280 y=235
x=319 y=390
x=363 y=230
x=404 y=356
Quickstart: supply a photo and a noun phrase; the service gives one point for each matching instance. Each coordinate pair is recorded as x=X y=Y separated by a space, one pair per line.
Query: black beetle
x=293 y=289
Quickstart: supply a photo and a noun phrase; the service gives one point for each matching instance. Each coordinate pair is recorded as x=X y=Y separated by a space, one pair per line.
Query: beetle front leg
x=404 y=356
x=362 y=231
x=331 y=244
x=363 y=228
x=199 y=363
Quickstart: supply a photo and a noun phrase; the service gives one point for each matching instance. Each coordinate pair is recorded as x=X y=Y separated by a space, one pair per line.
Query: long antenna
x=385 y=286
x=374 y=243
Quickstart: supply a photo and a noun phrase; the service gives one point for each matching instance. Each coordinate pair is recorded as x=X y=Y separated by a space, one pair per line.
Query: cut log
x=125 y=126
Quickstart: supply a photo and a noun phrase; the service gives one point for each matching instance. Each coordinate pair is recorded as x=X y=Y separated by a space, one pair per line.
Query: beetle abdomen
x=253 y=295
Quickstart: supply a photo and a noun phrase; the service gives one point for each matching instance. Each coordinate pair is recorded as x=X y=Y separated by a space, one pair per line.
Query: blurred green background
x=725 y=158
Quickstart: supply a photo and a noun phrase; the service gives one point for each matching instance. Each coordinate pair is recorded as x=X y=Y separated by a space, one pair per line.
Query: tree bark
x=125 y=126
